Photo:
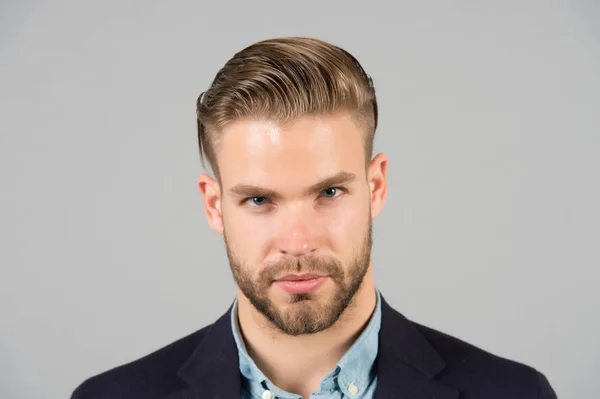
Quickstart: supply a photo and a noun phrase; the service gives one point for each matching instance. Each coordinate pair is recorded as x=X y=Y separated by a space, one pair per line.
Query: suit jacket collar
x=213 y=369
x=406 y=362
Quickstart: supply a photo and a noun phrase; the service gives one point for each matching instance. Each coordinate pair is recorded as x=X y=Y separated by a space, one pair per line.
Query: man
x=287 y=127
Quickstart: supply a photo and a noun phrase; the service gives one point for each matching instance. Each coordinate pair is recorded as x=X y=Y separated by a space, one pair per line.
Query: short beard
x=308 y=318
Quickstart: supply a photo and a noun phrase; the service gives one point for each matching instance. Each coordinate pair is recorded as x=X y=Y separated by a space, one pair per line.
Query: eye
x=256 y=201
x=332 y=192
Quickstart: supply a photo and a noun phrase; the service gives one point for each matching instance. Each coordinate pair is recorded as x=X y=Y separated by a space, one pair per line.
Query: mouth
x=300 y=277
x=301 y=283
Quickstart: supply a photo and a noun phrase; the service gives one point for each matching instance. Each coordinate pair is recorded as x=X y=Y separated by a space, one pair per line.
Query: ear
x=211 y=191
x=377 y=183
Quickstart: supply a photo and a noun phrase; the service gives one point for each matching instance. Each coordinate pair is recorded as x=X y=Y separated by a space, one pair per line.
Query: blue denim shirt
x=353 y=377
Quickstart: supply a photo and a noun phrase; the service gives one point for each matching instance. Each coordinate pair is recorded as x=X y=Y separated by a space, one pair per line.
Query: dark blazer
x=414 y=362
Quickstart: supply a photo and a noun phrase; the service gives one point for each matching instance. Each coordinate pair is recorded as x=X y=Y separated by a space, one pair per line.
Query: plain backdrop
x=489 y=113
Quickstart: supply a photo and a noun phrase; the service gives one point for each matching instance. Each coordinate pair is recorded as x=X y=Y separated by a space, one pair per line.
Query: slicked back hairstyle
x=283 y=79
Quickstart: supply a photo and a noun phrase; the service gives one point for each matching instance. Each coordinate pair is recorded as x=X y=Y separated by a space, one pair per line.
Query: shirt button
x=352 y=389
x=268 y=395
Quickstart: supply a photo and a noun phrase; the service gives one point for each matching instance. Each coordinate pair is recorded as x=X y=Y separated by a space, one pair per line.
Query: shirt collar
x=355 y=367
x=247 y=366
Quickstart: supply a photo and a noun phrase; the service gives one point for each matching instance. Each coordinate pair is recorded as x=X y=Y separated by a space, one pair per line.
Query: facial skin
x=296 y=198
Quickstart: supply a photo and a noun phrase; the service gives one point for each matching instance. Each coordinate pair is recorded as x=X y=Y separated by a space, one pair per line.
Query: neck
x=298 y=363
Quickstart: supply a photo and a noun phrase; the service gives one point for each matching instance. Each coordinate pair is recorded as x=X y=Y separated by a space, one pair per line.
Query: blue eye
x=258 y=200
x=330 y=192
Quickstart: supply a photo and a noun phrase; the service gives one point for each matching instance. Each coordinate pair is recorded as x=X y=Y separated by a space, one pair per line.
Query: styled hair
x=280 y=80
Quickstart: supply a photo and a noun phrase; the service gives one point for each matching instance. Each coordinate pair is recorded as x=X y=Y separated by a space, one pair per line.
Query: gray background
x=489 y=115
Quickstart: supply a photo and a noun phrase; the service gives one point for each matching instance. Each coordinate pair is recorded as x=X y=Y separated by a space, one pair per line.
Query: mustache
x=329 y=266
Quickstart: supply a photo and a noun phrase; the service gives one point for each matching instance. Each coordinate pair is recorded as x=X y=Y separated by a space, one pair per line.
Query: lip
x=301 y=284
x=300 y=277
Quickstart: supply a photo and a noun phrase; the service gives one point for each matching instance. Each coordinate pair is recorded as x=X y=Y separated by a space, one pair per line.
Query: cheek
x=247 y=233
x=340 y=225
x=346 y=225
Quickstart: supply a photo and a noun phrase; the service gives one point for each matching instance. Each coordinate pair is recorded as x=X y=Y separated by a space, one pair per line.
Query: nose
x=298 y=233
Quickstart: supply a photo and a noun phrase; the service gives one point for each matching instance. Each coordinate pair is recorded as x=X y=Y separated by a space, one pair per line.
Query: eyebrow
x=248 y=190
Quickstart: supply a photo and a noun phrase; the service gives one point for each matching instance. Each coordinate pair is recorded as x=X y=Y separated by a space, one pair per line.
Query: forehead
x=294 y=153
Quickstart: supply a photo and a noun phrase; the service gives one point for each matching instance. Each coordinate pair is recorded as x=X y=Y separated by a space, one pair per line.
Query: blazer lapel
x=406 y=362
x=212 y=371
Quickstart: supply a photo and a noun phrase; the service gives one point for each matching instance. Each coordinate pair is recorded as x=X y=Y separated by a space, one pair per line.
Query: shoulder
x=152 y=376
x=482 y=372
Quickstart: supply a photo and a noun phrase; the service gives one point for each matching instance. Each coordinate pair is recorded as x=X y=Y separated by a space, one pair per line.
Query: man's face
x=296 y=217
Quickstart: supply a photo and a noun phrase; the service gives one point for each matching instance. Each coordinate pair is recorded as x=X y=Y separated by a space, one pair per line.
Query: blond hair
x=282 y=79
